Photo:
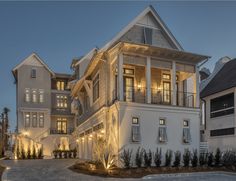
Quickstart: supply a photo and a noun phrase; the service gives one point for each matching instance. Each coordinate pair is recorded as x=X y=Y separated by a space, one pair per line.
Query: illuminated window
x=166 y=76
x=41 y=96
x=27 y=119
x=34 y=119
x=41 y=120
x=186 y=123
x=27 y=95
x=60 y=85
x=61 y=101
x=34 y=95
x=61 y=125
x=96 y=88
x=162 y=122
x=135 y=130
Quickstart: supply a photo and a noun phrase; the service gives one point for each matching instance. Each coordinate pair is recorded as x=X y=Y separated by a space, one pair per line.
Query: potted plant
x=60 y=153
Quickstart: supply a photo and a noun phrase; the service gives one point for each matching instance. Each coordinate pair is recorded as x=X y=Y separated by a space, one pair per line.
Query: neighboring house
x=43 y=105
x=140 y=90
x=219 y=104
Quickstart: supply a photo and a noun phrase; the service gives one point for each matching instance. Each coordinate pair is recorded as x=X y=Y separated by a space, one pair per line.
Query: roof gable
x=33 y=60
x=147 y=17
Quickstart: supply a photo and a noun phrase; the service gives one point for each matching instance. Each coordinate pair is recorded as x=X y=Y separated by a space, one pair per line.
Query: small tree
x=194 y=159
x=126 y=158
x=168 y=156
x=34 y=156
x=210 y=159
x=147 y=158
x=23 y=155
x=157 y=158
x=217 y=157
x=28 y=153
x=139 y=157
x=186 y=157
x=202 y=159
x=177 y=159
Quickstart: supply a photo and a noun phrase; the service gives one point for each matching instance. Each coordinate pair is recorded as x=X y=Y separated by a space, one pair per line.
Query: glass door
x=128 y=89
x=166 y=92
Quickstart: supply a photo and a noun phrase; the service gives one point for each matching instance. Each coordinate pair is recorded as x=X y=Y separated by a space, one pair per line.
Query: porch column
x=173 y=83
x=197 y=101
x=120 y=77
x=148 y=80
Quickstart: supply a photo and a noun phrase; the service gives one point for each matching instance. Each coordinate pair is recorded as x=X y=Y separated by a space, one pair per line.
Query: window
x=128 y=71
x=147 y=35
x=166 y=76
x=27 y=95
x=27 y=119
x=41 y=120
x=33 y=73
x=162 y=136
x=186 y=132
x=34 y=119
x=60 y=85
x=61 y=101
x=34 y=95
x=222 y=132
x=41 y=96
x=61 y=125
x=96 y=88
x=223 y=105
x=135 y=130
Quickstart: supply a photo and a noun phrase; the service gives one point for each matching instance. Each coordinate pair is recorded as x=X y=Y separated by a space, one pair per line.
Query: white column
x=197 y=104
x=120 y=77
x=173 y=83
x=148 y=80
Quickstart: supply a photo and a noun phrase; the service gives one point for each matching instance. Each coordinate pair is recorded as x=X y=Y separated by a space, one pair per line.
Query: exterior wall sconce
x=159 y=89
x=139 y=86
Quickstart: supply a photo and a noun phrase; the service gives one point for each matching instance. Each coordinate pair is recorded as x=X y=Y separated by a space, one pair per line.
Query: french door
x=166 y=92
x=128 y=89
x=62 y=127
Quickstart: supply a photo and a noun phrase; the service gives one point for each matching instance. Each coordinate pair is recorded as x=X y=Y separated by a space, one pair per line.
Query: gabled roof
x=26 y=59
x=223 y=80
x=151 y=10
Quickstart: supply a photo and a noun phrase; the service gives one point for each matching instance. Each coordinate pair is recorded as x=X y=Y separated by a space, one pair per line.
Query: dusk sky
x=60 y=31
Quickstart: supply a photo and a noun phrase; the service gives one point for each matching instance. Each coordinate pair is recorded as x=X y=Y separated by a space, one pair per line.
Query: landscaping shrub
x=65 y=154
x=210 y=159
x=168 y=158
x=126 y=158
x=55 y=153
x=157 y=158
x=194 y=159
x=202 y=159
x=74 y=152
x=60 y=153
x=40 y=153
x=139 y=157
x=70 y=154
x=186 y=157
x=177 y=159
x=147 y=158
x=34 y=156
x=217 y=157
x=229 y=158
x=28 y=153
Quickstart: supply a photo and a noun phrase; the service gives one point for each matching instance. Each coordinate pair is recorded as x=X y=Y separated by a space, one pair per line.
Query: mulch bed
x=139 y=172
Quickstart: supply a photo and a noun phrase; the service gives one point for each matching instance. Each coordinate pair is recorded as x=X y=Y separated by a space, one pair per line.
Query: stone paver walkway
x=56 y=170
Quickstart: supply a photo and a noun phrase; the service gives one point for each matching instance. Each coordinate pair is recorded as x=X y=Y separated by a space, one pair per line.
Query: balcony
x=64 y=131
x=158 y=96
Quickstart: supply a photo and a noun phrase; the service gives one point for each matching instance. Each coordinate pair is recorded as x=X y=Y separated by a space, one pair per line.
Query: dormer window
x=33 y=73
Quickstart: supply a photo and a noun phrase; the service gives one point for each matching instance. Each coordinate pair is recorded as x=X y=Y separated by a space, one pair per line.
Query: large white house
x=139 y=90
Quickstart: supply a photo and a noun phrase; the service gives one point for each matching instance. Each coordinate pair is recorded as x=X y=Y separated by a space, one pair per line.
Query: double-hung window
x=61 y=101
x=135 y=130
x=34 y=95
x=27 y=95
x=33 y=73
x=186 y=132
x=96 y=88
x=34 y=119
x=41 y=120
x=41 y=95
x=162 y=135
x=27 y=119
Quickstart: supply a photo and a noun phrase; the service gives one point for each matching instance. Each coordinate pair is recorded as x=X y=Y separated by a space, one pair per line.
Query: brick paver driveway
x=56 y=170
